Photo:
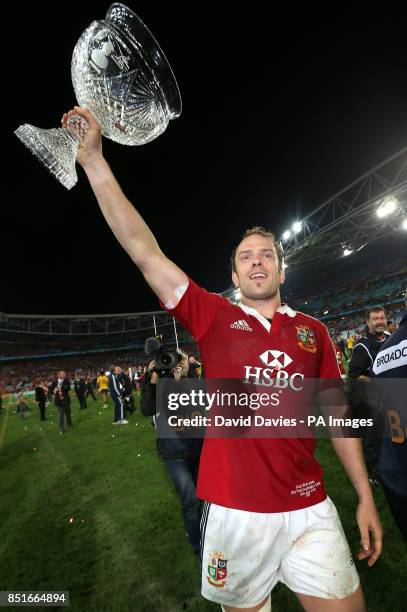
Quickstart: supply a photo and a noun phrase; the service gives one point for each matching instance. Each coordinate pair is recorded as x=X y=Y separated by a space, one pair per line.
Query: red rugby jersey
x=256 y=474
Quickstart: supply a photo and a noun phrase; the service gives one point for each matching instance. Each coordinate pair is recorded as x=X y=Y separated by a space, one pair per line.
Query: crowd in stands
x=342 y=306
x=25 y=344
x=340 y=302
x=354 y=325
x=24 y=375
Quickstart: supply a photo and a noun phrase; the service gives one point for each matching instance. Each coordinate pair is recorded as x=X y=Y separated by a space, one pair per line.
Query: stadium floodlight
x=387 y=207
x=404 y=224
x=362 y=246
x=347 y=252
x=326 y=312
x=297 y=226
x=286 y=235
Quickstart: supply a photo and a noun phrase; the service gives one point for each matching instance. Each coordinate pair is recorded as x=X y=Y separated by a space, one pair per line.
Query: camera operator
x=180 y=455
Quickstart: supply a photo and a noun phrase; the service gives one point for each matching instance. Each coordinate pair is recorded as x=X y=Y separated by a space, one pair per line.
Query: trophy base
x=51 y=148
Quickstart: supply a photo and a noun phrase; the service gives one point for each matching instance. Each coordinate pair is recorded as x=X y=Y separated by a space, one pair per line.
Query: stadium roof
x=369 y=208
x=365 y=211
x=84 y=325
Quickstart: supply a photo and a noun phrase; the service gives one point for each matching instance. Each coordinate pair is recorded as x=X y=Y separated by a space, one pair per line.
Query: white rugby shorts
x=245 y=554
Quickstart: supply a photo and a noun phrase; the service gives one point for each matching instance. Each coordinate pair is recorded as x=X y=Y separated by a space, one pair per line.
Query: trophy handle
x=78 y=127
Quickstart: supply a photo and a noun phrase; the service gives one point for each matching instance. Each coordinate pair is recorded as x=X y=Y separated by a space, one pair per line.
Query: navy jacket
x=174 y=444
x=390 y=372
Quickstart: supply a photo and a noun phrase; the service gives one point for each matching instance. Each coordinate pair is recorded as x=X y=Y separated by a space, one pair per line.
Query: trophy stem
x=56 y=148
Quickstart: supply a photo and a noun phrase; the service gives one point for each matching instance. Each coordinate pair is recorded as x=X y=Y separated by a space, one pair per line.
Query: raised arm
x=165 y=278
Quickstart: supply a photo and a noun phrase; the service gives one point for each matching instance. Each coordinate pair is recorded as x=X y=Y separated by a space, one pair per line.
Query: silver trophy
x=120 y=73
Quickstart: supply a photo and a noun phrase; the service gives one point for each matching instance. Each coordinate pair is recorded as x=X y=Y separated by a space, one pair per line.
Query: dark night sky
x=280 y=110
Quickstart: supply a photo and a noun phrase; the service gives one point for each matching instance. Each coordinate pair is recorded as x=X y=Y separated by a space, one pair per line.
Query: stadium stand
x=339 y=296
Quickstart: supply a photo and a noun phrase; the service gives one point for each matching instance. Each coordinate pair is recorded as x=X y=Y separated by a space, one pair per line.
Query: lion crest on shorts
x=217 y=569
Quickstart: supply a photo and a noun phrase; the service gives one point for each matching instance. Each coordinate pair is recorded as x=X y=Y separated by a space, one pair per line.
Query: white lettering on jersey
x=263 y=377
x=392 y=357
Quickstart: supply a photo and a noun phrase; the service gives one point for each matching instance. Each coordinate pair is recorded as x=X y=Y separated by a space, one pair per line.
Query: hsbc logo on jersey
x=274 y=375
x=276 y=359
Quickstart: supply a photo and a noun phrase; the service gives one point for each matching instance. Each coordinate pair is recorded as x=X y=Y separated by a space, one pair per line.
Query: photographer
x=180 y=455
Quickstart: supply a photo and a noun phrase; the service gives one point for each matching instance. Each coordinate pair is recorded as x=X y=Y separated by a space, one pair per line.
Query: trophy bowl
x=121 y=74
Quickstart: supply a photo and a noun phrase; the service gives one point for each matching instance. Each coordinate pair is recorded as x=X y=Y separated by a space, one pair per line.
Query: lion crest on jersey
x=306 y=338
x=217 y=569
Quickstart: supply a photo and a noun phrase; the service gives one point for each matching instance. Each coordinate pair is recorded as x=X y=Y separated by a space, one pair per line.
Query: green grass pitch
x=93 y=512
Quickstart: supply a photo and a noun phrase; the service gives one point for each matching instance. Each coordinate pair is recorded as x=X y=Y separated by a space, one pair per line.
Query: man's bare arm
x=349 y=451
x=164 y=277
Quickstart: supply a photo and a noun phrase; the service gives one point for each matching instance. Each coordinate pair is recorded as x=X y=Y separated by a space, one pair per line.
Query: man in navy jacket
x=390 y=372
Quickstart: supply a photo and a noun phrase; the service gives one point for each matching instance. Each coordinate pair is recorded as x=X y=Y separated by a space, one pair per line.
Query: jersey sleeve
x=196 y=309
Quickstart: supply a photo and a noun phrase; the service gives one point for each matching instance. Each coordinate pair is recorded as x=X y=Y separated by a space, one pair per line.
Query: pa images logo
x=306 y=339
x=217 y=569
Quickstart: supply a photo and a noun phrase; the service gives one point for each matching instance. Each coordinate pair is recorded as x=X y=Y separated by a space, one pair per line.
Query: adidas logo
x=241 y=324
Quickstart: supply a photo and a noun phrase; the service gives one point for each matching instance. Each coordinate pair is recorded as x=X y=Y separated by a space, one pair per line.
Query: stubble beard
x=267 y=294
x=380 y=332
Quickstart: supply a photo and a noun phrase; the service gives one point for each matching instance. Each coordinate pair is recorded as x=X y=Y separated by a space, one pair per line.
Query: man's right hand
x=91 y=146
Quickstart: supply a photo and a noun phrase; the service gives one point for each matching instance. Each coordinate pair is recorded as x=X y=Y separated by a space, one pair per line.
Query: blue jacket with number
x=390 y=372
